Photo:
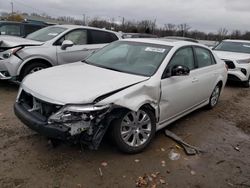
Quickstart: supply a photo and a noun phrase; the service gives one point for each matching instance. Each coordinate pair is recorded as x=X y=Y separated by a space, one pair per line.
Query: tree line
x=143 y=26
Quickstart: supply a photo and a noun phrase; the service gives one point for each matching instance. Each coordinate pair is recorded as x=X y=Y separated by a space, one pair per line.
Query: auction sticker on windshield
x=158 y=50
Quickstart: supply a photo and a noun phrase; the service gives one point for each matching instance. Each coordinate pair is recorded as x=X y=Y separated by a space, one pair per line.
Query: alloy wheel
x=136 y=128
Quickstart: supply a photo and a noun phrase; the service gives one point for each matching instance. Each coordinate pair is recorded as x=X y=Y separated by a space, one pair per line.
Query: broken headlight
x=71 y=113
x=11 y=52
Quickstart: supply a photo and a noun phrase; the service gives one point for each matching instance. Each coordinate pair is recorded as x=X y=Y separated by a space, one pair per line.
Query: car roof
x=181 y=38
x=162 y=41
x=21 y=23
x=232 y=40
x=83 y=27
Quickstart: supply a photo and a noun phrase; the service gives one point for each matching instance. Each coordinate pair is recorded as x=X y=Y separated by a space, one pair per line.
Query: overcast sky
x=204 y=15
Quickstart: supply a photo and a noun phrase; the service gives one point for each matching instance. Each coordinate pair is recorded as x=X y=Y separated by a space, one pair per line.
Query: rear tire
x=31 y=68
x=214 y=98
x=132 y=132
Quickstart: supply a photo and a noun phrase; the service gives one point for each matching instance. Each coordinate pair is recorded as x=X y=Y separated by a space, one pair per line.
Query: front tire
x=214 y=98
x=246 y=84
x=133 y=131
x=31 y=68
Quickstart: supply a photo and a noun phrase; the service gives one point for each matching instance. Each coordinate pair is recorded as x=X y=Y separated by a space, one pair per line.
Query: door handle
x=194 y=80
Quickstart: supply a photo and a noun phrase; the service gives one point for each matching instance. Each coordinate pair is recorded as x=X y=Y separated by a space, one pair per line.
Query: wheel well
x=220 y=83
x=35 y=60
x=148 y=106
x=117 y=111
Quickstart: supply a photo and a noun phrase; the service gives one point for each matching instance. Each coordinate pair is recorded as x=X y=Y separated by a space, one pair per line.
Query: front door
x=178 y=93
x=80 y=50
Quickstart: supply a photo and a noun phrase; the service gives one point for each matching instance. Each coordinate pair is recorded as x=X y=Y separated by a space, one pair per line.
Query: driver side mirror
x=180 y=70
x=66 y=44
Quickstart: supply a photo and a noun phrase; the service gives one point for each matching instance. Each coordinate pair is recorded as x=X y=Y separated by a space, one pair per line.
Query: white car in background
x=236 y=54
x=50 y=46
x=131 y=87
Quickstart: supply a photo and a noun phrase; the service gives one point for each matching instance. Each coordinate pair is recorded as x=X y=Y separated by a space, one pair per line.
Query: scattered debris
x=237 y=148
x=162 y=181
x=189 y=149
x=221 y=161
x=177 y=146
x=192 y=172
x=162 y=149
x=141 y=181
x=174 y=156
x=137 y=160
x=163 y=163
x=79 y=185
x=150 y=181
x=100 y=171
x=104 y=164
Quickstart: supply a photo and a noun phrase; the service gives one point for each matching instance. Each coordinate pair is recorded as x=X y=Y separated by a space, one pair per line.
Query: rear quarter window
x=101 y=37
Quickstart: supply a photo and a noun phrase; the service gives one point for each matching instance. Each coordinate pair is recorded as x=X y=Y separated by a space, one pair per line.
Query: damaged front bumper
x=39 y=124
x=78 y=123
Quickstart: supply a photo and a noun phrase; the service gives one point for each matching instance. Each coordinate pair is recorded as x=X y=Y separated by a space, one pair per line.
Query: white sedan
x=236 y=54
x=131 y=88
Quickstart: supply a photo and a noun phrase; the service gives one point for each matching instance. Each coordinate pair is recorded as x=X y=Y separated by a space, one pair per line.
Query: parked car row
x=50 y=46
x=129 y=88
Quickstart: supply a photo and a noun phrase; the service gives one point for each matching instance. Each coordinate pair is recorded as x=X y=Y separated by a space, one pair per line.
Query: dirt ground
x=27 y=160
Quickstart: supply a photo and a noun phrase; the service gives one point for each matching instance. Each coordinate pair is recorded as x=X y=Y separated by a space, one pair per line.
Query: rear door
x=207 y=72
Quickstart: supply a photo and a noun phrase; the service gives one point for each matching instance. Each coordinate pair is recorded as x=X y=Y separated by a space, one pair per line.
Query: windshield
x=130 y=57
x=46 y=33
x=240 y=47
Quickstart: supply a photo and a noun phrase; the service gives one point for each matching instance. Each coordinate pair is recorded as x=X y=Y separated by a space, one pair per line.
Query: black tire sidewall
x=26 y=70
x=210 y=105
x=116 y=133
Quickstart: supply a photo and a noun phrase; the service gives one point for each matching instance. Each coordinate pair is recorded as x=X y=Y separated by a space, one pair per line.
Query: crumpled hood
x=12 y=41
x=76 y=83
x=231 y=55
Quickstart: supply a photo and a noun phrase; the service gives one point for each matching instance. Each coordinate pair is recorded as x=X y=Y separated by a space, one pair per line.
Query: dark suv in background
x=20 y=29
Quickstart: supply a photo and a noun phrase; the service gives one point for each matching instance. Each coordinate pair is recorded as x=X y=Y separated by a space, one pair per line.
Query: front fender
x=30 y=59
x=136 y=96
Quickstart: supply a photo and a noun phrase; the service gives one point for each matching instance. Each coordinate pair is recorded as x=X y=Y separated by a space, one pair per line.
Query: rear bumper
x=38 y=124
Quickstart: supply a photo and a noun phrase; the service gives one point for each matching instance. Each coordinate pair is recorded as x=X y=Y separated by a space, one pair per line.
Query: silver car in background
x=48 y=47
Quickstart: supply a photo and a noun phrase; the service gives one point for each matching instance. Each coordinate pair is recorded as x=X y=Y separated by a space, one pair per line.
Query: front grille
x=33 y=104
x=230 y=64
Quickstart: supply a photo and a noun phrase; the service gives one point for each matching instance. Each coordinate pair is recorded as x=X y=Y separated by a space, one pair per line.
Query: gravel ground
x=27 y=160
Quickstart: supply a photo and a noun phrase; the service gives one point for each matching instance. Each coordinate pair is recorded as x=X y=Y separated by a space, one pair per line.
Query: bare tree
x=222 y=33
x=236 y=34
x=170 y=29
x=183 y=29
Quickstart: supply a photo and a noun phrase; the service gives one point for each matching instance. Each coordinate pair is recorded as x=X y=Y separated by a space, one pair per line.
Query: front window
x=240 y=47
x=46 y=33
x=130 y=57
